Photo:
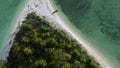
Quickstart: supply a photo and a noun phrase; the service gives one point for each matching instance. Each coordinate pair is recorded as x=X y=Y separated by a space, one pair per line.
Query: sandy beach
x=44 y=8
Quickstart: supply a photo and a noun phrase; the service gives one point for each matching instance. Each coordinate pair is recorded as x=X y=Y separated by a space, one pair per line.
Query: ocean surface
x=9 y=11
x=97 y=21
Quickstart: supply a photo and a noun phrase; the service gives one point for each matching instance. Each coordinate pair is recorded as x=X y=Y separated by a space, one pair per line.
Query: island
x=39 y=44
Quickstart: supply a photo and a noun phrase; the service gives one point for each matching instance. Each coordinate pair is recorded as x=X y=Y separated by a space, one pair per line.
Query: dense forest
x=39 y=44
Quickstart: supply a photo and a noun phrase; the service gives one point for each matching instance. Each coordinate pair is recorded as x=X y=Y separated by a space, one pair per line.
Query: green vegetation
x=40 y=45
x=2 y=65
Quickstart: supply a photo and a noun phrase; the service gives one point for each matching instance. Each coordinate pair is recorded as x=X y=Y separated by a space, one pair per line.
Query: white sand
x=44 y=8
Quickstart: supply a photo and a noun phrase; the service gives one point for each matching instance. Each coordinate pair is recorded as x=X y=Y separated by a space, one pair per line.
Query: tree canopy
x=40 y=45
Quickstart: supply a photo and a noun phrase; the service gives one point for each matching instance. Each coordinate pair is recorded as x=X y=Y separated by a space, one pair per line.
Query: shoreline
x=15 y=29
x=85 y=45
x=45 y=8
x=11 y=36
x=10 y=26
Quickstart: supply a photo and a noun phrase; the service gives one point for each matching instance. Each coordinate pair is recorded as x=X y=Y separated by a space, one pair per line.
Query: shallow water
x=9 y=10
x=99 y=23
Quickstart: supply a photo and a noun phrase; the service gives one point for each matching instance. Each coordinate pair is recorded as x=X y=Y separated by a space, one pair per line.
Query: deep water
x=9 y=10
x=98 y=21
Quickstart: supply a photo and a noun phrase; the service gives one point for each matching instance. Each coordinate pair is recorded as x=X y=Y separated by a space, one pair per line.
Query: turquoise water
x=98 y=22
x=9 y=10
